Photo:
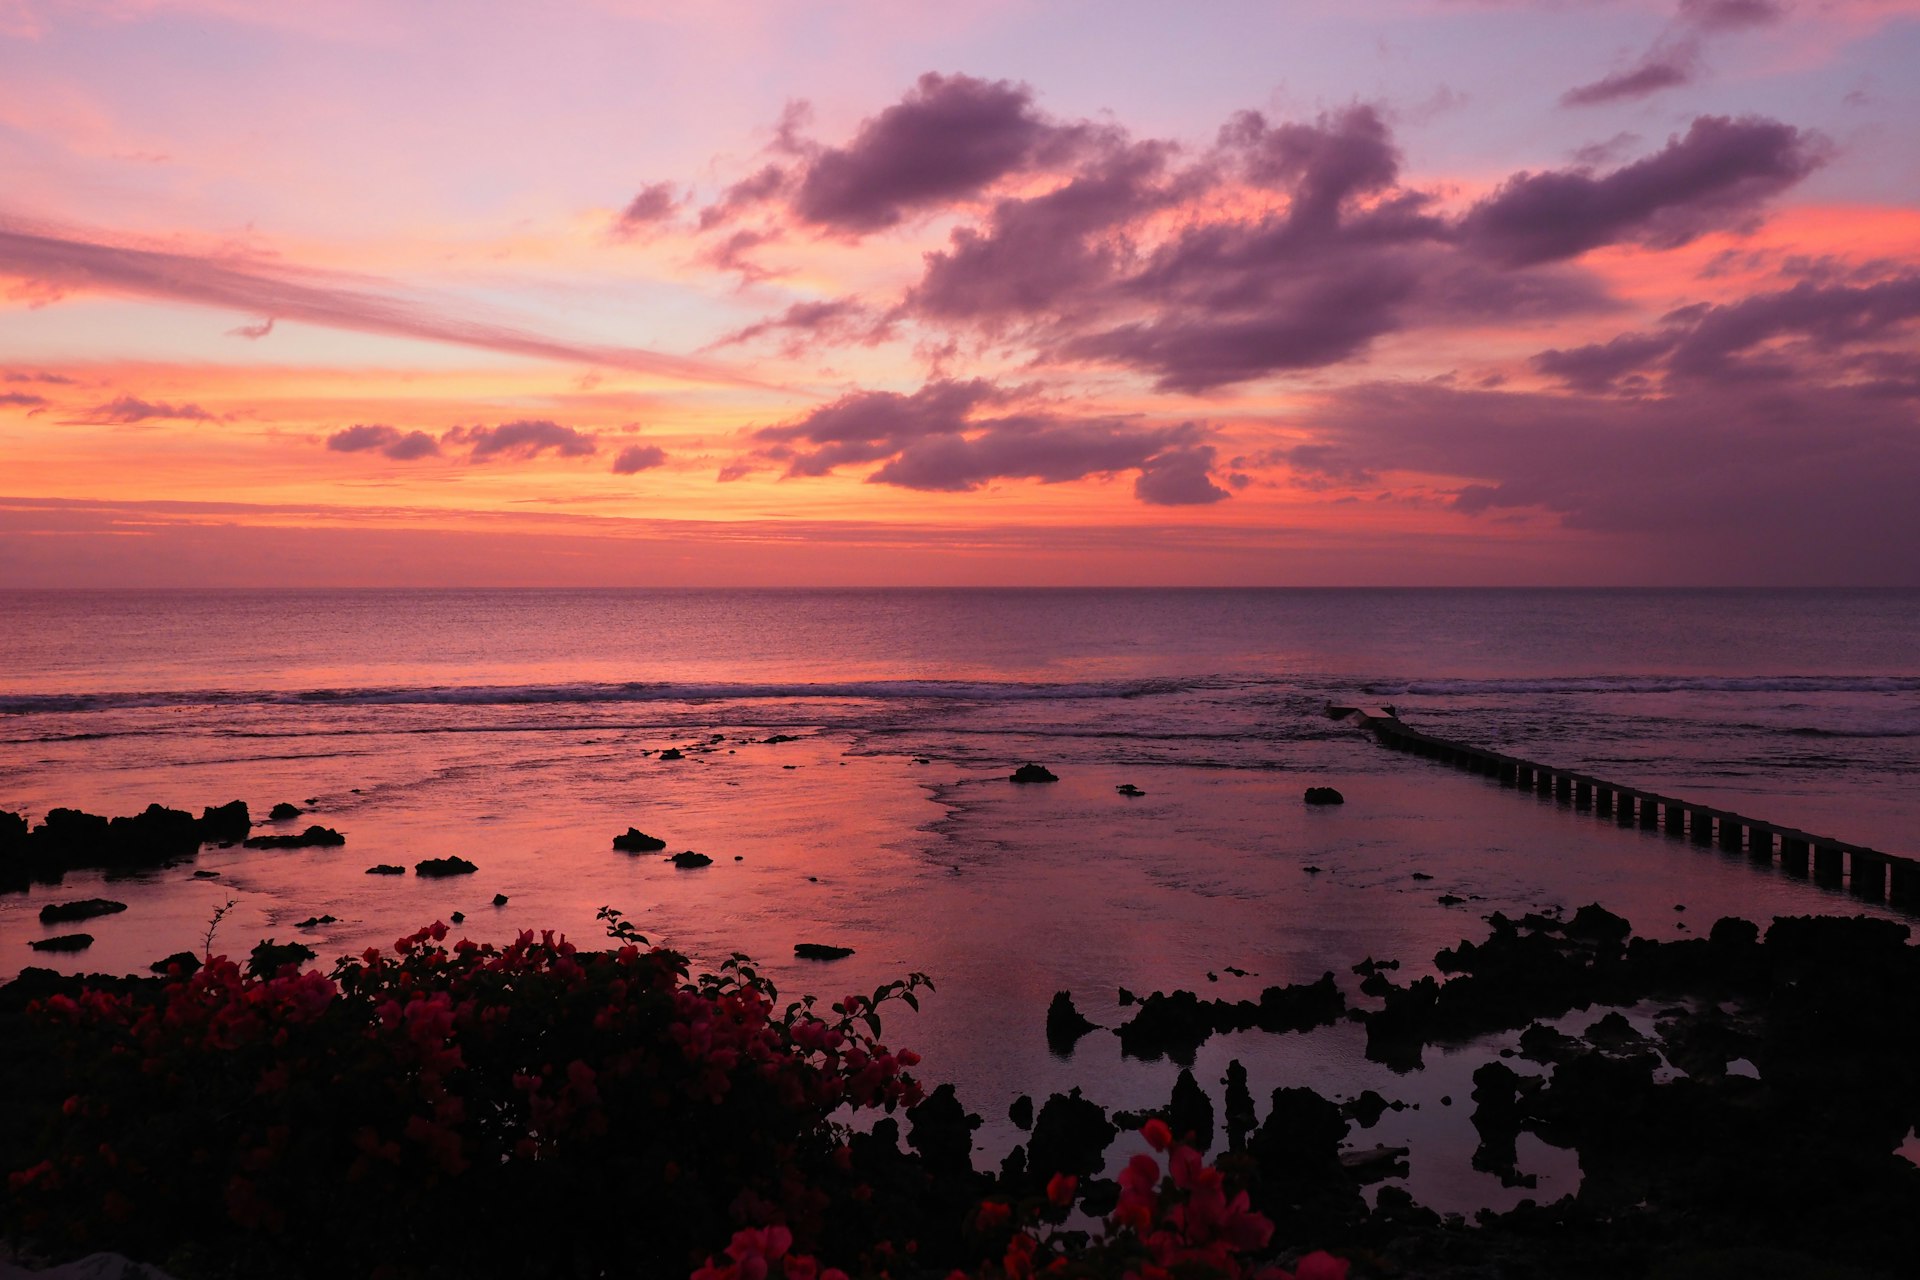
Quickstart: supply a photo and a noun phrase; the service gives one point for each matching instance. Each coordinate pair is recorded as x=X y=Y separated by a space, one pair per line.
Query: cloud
x=52 y=379
x=949 y=137
x=22 y=399
x=1718 y=174
x=803 y=323
x=936 y=439
x=127 y=410
x=1796 y=333
x=61 y=263
x=1665 y=69
x=526 y=438
x=401 y=446
x=1675 y=58
x=258 y=329
x=638 y=457
x=654 y=204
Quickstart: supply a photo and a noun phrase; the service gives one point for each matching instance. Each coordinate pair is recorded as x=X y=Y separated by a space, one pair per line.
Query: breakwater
x=1871 y=874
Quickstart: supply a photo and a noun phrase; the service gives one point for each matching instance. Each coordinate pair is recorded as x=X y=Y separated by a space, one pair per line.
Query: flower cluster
x=428 y=1093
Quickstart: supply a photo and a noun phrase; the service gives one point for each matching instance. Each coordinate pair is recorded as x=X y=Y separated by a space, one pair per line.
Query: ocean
x=845 y=764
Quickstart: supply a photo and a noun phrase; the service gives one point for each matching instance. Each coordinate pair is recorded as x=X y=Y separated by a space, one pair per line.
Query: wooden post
x=1509 y=773
x=1624 y=803
x=1760 y=843
x=1603 y=800
x=1582 y=794
x=1793 y=855
x=1906 y=882
x=1700 y=825
x=1676 y=818
x=1730 y=826
x=1562 y=787
x=1827 y=864
x=1523 y=775
x=1868 y=874
x=1649 y=812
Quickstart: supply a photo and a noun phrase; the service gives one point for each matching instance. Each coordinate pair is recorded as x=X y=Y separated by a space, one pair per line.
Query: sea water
x=846 y=762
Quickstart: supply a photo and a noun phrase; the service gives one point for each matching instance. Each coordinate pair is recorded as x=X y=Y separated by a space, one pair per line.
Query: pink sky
x=1382 y=291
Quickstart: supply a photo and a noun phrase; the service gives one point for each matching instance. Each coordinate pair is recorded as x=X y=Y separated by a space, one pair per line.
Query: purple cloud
x=653 y=205
x=949 y=138
x=1718 y=174
x=638 y=457
x=128 y=409
x=1730 y=15
x=401 y=446
x=1662 y=69
x=805 y=322
x=52 y=379
x=935 y=439
x=526 y=438
x=22 y=399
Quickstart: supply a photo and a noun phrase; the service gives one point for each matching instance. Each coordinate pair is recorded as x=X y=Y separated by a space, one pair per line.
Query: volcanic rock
x=637 y=841
x=1032 y=773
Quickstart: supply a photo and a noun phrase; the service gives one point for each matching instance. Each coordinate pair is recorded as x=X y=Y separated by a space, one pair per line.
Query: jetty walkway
x=1835 y=864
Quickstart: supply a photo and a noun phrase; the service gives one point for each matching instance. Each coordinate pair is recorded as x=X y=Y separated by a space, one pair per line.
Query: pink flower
x=1321 y=1265
x=1158 y=1136
x=1060 y=1189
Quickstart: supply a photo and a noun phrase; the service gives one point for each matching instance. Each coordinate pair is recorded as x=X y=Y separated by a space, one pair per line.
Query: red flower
x=1060 y=1189
x=992 y=1216
x=1158 y=1136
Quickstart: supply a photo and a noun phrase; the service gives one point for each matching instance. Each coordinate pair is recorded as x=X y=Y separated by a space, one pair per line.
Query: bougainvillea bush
x=536 y=1109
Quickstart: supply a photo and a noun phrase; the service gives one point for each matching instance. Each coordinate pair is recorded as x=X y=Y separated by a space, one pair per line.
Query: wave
x=1646 y=684
x=629 y=692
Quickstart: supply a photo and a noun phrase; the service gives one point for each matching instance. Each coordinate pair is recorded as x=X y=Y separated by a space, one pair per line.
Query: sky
x=609 y=293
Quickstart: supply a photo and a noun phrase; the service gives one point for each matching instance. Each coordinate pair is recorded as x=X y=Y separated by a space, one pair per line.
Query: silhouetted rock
x=184 y=961
x=1032 y=773
x=1239 y=1111
x=1324 y=795
x=312 y=837
x=284 y=812
x=270 y=957
x=1070 y=1136
x=1594 y=923
x=71 y=840
x=1021 y=1113
x=1190 y=1112
x=637 y=841
x=1128 y=789
x=941 y=1130
x=385 y=869
x=226 y=822
x=64 y=942
x=314 y=922
x=687 y=859
x=499 y=899
x=434 y=868
x=1065 y=1024
x=1367 y=1109
x=458 y=917
x=820 y=951
x=85 y=909
x=672 y=753
x=1368 y=1165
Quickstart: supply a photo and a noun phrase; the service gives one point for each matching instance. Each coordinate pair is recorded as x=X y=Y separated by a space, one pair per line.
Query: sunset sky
x=1368 y=291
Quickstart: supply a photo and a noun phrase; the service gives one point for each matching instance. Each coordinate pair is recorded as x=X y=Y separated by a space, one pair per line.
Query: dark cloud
x=128 y=409
x=1718 y=174
x=638 y=457
x=60 y=263
x=950 y=137
x=22 y=399
x=1789 y=333
x=1730 y=15
x=937 y=439
x=1665 y=69
x=766 y=183
x=1179 y=478
x=52 y=379
x=525 y=438
x=654 y=204
x=401 y=446
x=1322 y=165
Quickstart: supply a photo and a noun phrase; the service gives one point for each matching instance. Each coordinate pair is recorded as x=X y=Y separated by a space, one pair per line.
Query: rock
x=1021 y=1113
x=820 y=951
x=312 y=837
x=941 y=1130
x=284 y=812
x=637 y=841
x=185 y=961
x=229 y=821
x=1594 y=923
x=458 y=917
x=1421 y=875
x=1128 y=789
x=386 y=869
x=1065 y=1025
x=780 y=737
x=1190 y=1112
x=499 y=899
x=1324 y=795
x=85 y=909
x=271 y=957
x=1032 y=773
x=435 y=868
x=64 y=942
x=1375 y=1164
x=70 y=840
x=206 y=875
x=1615 y=1034
x=1449 y=899
x=672 y=753
x=687 y=859
x=314 y=922
x=1239 y=1111
x=1070 y=1136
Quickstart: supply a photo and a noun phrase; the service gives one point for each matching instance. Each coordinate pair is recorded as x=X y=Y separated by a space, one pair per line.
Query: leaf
x=873 y=1022
x=913 y=1001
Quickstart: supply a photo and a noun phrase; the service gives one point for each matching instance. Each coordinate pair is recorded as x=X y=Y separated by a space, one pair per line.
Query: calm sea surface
x=521 y=729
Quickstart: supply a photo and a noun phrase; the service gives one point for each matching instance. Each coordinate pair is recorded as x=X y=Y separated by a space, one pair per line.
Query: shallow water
x=519 y=732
